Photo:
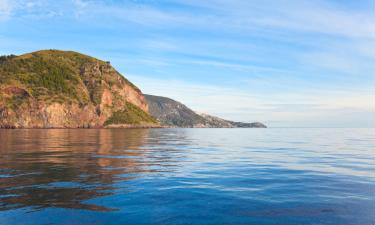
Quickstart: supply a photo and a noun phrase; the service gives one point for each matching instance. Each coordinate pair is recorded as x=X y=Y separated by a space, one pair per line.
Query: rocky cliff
x=175 y=114
x=59 y=89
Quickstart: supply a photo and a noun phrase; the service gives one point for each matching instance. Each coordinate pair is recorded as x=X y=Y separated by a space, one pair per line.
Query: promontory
x=64 y=89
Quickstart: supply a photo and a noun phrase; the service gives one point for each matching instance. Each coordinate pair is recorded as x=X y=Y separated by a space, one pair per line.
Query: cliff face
x=175 y=114
x=67 y=90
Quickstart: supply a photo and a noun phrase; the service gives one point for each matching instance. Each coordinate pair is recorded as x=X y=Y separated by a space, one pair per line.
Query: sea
x=283 y=176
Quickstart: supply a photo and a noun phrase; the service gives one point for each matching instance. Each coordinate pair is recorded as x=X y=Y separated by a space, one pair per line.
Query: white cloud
x=324 y=20
x=332 y=61
x=83 y=7
x=80 y=3
x=31 y=9
x=298 y=15
x=5 y=9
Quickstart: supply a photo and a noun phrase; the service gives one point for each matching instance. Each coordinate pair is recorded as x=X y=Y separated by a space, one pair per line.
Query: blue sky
x=288 y=63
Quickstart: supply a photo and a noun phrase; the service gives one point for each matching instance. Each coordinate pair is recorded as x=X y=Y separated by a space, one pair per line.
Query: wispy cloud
x=299 y=15
x=306 y=107
x=283 y=22
x=5 y=9
x=31 y=9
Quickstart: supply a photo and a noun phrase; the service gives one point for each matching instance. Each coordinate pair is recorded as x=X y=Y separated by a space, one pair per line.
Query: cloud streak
x=288 y=109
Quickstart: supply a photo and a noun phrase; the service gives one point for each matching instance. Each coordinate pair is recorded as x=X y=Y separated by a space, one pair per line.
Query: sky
x=291 y=63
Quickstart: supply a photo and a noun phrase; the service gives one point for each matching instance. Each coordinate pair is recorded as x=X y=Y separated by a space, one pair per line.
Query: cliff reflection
x=65 y=168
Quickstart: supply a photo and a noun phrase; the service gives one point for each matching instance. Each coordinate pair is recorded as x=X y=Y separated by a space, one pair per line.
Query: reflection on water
x=62 y=168
x=187 y=176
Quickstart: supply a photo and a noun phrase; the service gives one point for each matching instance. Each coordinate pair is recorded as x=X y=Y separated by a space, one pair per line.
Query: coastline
x=120 y=126
x=126 y=126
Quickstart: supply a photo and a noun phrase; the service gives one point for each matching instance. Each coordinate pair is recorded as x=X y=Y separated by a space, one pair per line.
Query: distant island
x=65 y=89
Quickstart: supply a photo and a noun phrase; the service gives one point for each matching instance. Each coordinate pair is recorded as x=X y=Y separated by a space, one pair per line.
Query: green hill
x=67 y=89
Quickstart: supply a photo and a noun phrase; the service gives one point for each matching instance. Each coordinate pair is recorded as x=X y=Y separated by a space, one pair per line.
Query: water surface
x=187 y=176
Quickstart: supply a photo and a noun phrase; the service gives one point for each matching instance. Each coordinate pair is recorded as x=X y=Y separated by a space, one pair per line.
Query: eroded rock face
x=31 y=113
x=56 y=89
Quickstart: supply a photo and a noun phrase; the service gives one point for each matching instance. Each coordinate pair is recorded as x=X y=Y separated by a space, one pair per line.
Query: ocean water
x=188 y=176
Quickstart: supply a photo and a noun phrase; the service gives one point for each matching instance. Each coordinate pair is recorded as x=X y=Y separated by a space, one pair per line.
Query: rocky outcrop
x=175 y=114
x=58 y=89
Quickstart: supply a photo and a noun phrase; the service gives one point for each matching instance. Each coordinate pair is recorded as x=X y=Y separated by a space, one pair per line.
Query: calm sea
x=187 y=176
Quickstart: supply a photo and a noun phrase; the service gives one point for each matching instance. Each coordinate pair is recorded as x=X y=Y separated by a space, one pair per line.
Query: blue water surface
x=188 y=176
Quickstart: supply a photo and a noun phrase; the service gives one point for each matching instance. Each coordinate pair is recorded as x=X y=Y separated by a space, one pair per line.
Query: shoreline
x=122 y=127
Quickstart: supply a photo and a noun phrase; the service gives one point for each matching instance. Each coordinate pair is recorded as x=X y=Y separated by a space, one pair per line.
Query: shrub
x=4 y=58
x=131 y=114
